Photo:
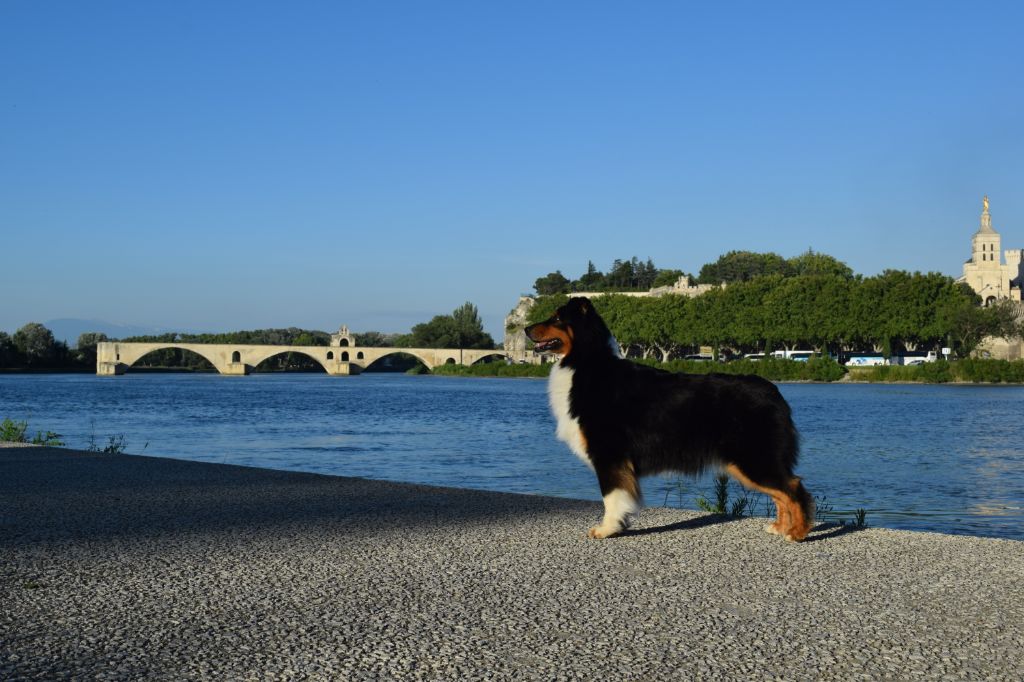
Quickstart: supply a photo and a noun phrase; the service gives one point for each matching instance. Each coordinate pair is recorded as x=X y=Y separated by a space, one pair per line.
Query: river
x=932 y=458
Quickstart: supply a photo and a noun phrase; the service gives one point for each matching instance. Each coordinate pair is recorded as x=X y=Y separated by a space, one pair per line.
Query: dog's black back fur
x=666 y=421
x=649 y=421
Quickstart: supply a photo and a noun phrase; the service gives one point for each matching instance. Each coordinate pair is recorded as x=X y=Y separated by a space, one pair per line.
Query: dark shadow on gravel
x=688 y=524
x=59 y=494
x=828 y=531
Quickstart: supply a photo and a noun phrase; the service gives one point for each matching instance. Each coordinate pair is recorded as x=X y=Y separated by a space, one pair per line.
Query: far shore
x=848 y=378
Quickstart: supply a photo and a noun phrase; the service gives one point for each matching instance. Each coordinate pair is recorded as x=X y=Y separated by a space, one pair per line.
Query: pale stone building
x=985 y=272
x=995 y=280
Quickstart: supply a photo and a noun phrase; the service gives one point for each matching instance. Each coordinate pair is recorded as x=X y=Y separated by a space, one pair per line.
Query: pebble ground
x=116 y=567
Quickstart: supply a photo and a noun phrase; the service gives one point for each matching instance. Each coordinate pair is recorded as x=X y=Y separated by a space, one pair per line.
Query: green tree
x=469 y=328
x=9 y=355
x=462 y=329
x=551 y=283
x=740 y=266
x=662 y=324
x=374 y=339
x=623 y=317
x=545 y=307
x=811 y=263
x=36 y=344
x=746 y=314
x=627 y=274
x=593 y=280
x=969 y=323
x=666 y=278
x=86 y=347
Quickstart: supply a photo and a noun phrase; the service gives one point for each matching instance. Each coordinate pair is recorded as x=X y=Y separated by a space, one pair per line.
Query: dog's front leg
x=621 y=493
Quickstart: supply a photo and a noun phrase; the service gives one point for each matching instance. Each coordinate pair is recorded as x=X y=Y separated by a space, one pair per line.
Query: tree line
x=832 y=311
x=33 y=347
x=736 y=266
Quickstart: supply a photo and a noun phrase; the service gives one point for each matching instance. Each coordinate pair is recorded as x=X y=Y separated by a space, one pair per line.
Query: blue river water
x=933 y=458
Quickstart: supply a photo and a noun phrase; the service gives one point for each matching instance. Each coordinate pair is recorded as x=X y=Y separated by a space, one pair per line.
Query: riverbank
x=141 y=568
x=818 y=370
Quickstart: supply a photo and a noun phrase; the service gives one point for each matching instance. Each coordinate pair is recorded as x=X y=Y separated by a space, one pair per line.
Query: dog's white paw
x=772 y=529
x=602 y=531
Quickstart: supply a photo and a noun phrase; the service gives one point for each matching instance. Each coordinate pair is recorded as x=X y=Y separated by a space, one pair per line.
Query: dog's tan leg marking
x=778 y=526
x=791 y=523
x=801 y=522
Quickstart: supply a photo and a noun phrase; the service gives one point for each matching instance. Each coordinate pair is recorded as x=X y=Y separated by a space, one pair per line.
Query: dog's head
x=574 y=328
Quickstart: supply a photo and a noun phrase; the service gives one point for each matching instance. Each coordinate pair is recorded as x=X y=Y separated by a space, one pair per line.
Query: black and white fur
x=627 y=420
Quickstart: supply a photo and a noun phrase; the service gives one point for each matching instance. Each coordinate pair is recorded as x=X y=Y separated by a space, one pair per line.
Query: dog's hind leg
x=621 y=492
x=803 y=507
x=781 y=523
x=792 y=501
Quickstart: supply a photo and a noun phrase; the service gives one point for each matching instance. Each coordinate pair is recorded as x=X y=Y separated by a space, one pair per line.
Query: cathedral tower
x=985 y=271
x=986 y=242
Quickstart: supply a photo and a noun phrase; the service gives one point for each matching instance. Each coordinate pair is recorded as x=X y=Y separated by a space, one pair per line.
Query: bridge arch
x=496 y=355
x=131 y=359
x=297 y=350
x=423 y=358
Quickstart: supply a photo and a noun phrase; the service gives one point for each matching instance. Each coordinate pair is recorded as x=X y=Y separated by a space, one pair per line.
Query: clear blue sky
x=217 y=166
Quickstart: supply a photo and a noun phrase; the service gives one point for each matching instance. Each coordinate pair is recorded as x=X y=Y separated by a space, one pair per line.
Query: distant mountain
x=69 y=329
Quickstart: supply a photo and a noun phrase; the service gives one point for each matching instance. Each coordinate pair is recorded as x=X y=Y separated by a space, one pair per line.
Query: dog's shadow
x=827 y=530
x=822 y=531
x=688 y=524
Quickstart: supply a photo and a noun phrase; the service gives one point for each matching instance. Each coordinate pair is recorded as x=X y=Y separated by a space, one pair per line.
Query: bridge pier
x=343 y=369
x=110 y=369
x=235 y=369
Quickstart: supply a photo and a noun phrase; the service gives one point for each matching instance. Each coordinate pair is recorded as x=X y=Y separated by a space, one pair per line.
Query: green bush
x=12 y=431
x=773 y=369
x=823 y=369
x=974 y=370
x=16 y=432
x=935 y=372
x=978 y=370
x=493 y=369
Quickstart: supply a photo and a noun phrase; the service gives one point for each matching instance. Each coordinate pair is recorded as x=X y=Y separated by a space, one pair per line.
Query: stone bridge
x=114 y=357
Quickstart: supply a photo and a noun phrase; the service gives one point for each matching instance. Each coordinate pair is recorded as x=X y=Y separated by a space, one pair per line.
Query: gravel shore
x=125 y=567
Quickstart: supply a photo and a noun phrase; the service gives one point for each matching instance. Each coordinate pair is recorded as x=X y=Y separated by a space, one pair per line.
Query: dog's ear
x=585 y=305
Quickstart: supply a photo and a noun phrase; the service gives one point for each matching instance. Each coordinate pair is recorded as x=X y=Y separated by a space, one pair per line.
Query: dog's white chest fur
x=568 y=427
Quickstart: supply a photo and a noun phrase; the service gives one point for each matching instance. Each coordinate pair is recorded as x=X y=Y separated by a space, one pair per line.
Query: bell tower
x=986 y=242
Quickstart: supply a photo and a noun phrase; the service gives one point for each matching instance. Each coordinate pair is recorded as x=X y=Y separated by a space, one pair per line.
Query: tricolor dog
x=626 y=421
